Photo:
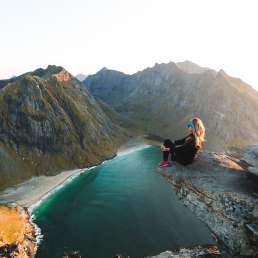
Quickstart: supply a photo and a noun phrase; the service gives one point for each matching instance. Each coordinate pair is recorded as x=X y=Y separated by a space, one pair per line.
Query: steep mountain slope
x=109 y=86
x=49 y=122
x=162 y=98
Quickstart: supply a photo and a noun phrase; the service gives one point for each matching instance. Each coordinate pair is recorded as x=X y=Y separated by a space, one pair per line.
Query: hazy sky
x=129 y=35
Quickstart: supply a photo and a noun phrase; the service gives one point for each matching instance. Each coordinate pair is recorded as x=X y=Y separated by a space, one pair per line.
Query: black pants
x=169 y=144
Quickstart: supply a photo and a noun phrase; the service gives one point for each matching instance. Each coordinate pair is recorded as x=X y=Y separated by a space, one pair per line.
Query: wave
x=37 y=229
x=57 y=188
x=38 y=233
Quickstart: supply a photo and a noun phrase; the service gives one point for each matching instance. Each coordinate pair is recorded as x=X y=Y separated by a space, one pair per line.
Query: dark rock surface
x=222 y=194
x=251 y=158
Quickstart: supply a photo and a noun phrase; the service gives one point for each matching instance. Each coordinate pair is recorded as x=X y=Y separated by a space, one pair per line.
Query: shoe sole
x=164 y=166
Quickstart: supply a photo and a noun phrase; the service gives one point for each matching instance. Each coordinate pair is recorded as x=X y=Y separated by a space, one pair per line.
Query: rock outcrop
x=195 y=252
x=251 y=158
x=218 y=189
x=17 y=234
x=49 y=122
x=162 y=98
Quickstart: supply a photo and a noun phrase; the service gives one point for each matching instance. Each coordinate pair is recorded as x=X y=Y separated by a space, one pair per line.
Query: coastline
x=31 y=192
x=18 y=235
x=26 y=196
x=194 y=189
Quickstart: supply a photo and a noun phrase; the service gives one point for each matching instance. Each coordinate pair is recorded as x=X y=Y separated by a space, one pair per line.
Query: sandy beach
x=32 y=191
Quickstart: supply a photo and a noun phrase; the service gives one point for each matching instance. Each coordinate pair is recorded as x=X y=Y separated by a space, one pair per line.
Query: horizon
x=85 y=36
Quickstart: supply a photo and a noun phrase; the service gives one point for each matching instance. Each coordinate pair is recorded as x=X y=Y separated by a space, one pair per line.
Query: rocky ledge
x=220 y=190
x=17 y=234
x=196 y=252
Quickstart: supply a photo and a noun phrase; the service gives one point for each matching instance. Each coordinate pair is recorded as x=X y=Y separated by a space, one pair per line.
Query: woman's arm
x=163 y=148
x=189 y=144
x=184 y=140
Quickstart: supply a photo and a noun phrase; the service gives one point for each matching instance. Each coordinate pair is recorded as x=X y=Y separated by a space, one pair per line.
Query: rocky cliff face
x=221 y=192
x=49 y=122
x=162 y=98
x=194 y=252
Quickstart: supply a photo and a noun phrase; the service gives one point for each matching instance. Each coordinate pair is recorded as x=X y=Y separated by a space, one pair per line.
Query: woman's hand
x=163 y=148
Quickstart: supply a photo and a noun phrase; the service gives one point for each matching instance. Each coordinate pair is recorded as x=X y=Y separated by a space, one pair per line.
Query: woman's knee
x=168 y=143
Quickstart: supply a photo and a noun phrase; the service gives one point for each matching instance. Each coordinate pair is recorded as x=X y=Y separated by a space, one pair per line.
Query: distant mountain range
x=49 y=122
x=81 y=77
x=162 y=98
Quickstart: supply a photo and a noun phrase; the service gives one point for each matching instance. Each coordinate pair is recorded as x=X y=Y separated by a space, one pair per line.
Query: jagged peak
x=63 y=75
x=52 y=70
x=222 y=73
x=41 y=72
x=81 y=77
x=187 y=62
x=191 y=67
x=105 y=70
x=171 y=66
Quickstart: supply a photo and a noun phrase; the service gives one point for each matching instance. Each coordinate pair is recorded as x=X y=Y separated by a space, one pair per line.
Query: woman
x=184 y=151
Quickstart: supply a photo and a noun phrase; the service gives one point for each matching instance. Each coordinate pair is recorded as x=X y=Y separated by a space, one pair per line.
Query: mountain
x=162 y=98
x=81 y=77
x=190 y=67
x=49 y=122
x=109 y=86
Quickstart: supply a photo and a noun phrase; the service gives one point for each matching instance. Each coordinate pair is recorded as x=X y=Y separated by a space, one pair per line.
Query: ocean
x=123 y=206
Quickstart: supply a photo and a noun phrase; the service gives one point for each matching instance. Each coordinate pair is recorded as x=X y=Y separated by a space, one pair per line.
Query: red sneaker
x=164 y=164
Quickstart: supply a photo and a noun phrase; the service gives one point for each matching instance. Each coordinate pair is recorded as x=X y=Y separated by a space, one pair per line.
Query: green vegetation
x=48 y=126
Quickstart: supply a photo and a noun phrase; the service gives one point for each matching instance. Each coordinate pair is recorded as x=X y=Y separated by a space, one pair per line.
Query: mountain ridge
x=190 y=67
x=161 y=99
x=49 y=122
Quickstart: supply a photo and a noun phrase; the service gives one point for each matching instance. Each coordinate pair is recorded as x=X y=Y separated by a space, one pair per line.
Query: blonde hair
x=199 y=132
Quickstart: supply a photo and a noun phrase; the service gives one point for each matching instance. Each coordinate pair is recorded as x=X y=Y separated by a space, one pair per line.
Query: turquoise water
x=122 y=206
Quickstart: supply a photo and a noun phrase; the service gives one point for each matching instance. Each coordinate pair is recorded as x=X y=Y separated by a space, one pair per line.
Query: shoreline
x=18 y=235
x=30 y=193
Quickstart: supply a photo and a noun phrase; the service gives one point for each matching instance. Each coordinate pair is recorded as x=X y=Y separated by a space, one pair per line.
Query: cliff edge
x=220 y=190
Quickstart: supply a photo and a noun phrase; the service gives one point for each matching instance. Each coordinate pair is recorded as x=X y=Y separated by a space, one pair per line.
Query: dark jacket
x=184 y=151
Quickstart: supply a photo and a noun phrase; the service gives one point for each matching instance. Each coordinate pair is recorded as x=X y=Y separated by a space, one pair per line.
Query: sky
x=129 y=35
